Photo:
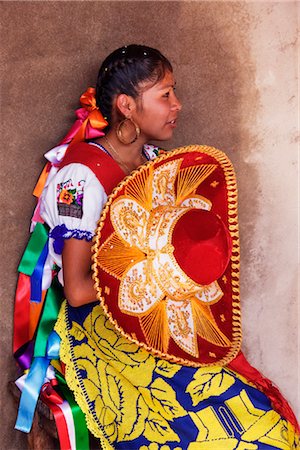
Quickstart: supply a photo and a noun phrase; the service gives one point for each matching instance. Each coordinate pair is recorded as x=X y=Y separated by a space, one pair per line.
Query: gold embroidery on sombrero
x=197 y=201
x=206 y=325
x=133 y=186
x=141 y=188
x=120 y=256
x=163 y=189
x=142 y=239
x=154 y=320
x=190 y=178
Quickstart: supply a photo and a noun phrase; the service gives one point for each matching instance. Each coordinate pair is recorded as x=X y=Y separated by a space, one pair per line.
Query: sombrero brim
x=133 y=282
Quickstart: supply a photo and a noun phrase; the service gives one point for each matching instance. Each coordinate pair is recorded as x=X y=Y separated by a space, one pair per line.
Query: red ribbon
x=21 y=314
x=52 y=399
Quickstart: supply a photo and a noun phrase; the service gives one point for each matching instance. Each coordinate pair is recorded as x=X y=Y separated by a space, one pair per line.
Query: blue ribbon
x=53 y=344
x=37 y=276
x=34 y=382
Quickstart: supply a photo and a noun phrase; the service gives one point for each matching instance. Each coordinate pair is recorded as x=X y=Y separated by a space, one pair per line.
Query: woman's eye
x=166 y=94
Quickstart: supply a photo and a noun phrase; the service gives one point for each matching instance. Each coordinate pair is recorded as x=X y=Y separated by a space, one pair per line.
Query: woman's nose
x=177 y=106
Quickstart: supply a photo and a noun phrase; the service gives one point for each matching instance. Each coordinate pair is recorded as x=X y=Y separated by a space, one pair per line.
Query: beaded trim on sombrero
x=133 y=282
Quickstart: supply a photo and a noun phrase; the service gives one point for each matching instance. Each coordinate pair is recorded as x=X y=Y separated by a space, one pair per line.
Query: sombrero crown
x=166 y=257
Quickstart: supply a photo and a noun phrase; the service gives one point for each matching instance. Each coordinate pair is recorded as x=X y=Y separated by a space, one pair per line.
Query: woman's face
x=157 y=110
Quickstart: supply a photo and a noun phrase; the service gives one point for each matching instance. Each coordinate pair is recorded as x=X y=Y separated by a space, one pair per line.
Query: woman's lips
x=172 y=123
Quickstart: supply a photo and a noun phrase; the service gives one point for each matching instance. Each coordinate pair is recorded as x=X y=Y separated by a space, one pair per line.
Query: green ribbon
x=34 y=248
x=81 y=431
x=53 y=301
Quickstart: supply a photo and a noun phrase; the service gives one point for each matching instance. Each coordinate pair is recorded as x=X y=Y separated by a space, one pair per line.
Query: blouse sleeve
x=71 y=205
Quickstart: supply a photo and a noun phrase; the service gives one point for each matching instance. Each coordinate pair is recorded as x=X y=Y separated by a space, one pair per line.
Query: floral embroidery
x=61 y=232
x=152 y=151
x=131 y=397
x=66 y=197
x=70 y=198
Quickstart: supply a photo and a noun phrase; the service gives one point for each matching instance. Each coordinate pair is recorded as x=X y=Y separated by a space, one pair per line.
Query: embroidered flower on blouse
x=70 y=198
x=66 y=197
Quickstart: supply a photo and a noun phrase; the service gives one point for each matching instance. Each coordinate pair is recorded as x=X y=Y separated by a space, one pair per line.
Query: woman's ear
x=125 y=104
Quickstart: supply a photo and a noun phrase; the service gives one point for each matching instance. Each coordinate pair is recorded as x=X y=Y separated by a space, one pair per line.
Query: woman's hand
x=77 y=274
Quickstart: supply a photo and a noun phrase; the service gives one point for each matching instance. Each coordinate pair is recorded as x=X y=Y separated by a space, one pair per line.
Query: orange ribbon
x=42 y=180
x=94 y=118
x=87 y=126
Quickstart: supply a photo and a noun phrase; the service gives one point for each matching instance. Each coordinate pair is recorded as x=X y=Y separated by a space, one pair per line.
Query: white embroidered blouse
x=71 y=205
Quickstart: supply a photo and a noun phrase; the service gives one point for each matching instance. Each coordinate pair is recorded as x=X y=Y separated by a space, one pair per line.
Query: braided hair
x=123 y=71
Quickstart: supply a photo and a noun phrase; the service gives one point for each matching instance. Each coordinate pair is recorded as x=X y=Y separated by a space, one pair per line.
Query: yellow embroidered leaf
x=136 y=353
x=120 y=353
x=84 y=351
x=99 y=327
x=121 y=397
x=107 y=418
x=289 y=431
x=140 y=375
x=77 y=332
x=91 y=389
x=161 y=398
x=141 y=413
x=158 y=430
x=262 y=426
x=123 y=345
x=85 y=360
x=247 y=446
x=166 y=369
x=215 y=444
x=209 y=382
x=137 y=375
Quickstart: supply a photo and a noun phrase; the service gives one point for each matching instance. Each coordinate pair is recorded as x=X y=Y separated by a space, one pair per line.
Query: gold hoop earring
x=120 y=131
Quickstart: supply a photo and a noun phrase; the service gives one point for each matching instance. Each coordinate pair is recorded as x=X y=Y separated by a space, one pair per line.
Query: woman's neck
x=129 y=157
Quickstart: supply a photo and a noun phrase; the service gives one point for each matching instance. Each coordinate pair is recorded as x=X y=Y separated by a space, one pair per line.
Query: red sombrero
x=166 y=257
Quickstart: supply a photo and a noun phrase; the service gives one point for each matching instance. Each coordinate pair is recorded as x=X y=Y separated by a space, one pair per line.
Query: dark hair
x=124 y=70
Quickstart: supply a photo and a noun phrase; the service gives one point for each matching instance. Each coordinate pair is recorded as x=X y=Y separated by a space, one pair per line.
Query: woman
x=134 y=398
x=150 y=107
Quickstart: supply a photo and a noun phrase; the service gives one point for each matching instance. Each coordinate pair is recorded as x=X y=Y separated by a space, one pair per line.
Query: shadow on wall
x=52 y=52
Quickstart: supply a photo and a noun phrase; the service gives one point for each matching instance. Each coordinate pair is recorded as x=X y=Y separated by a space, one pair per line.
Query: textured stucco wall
x=235 y=64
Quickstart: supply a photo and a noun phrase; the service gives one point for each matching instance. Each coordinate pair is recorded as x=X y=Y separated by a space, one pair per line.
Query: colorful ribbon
x=53 y=301
x=42 y=180
x=33 y=384
x=89 y=121
x=46 y=348
x=37 y=245
x=21 y=313
x=33 y=250
x=61 y=414
x=88 y=125
x=37 y=276
x=24 y=355
x=81 y=431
